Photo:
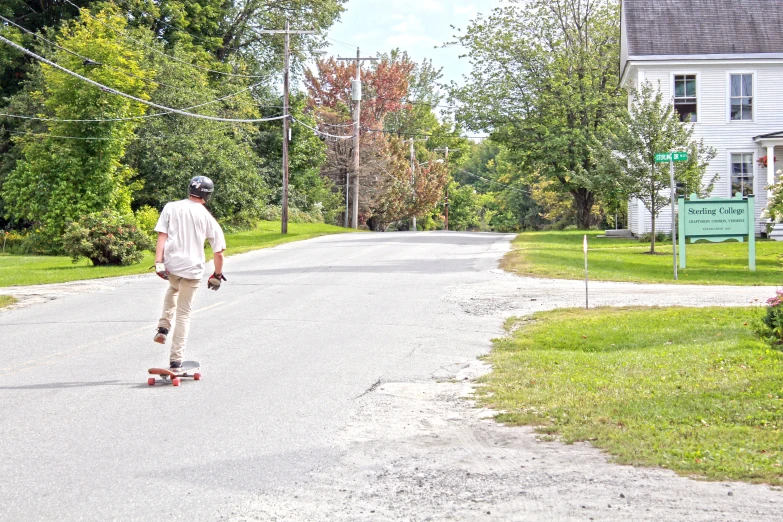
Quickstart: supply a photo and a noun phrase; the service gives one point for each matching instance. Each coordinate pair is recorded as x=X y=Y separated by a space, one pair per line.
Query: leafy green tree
x=544 y=79
x=649 y=127
x=170 y=149
x=74 y=169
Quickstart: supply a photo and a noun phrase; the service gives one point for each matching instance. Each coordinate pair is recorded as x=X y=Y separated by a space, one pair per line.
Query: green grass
x=692 y=390
x=559 y=255
x=32 y=270
x=6 y=300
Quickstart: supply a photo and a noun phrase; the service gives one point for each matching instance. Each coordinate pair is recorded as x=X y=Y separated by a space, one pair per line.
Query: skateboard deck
x=189 y=369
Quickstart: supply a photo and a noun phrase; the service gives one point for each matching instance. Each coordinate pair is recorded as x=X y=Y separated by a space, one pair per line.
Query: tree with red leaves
x=388 y=190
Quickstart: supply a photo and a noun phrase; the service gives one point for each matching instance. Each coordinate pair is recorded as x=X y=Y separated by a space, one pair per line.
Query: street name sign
x=665 y=157
x=717 y=220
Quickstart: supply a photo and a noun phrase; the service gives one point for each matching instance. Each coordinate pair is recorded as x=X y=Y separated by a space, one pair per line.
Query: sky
x=416 y=26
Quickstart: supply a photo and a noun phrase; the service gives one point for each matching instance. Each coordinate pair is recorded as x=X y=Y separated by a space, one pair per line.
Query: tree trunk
x=583 y=204
x=652 y=238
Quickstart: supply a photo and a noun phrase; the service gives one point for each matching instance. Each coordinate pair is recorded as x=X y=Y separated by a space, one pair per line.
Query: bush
x=660 y=236
x=146 y=219
x=106 y=238
x=273 y=213
x=770 y=326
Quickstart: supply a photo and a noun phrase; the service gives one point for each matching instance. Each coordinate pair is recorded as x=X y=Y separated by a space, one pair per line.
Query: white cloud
x=407 y=40
x=421 y=6
x=467 y=11
x=411 y=24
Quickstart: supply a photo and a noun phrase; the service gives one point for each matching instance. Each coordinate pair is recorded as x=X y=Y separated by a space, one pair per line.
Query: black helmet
x=201 y=187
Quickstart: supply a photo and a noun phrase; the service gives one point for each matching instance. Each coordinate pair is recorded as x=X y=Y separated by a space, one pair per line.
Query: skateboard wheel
x=151 y=381
x=197 y=376
x=175 y=381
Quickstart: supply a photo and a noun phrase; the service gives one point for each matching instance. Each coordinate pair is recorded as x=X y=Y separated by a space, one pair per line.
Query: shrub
x=770 y=326
x=274 y=212
x=660 y=236
x=106 y=238
x=146 y=219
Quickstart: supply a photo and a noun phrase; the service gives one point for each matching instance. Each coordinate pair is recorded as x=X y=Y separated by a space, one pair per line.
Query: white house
x=721 y=62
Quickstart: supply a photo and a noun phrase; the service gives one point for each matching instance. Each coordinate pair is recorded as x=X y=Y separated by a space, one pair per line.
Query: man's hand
x=214 y=281
x=160 y=269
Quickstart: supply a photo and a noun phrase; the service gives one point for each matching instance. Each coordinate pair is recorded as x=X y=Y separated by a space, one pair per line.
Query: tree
x=169 y=150
x=544 y=79
x=650 y=126
x=74 y=169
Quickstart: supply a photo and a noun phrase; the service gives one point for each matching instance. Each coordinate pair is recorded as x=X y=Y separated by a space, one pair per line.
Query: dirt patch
x=422 y=451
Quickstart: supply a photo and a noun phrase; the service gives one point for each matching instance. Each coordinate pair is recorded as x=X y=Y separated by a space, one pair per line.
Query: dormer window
x=741 y=97
x=685 y=102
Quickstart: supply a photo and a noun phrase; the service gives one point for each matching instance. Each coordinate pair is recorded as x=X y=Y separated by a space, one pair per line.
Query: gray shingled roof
x=689 y=27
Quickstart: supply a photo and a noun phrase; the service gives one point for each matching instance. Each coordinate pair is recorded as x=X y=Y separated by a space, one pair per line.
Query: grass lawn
x=6 y=300
x=33 y=270
x=692 y=390
x=559 y=255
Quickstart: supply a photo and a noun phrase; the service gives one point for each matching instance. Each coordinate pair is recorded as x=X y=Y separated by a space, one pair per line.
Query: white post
x=770 y=170
x=674 y=216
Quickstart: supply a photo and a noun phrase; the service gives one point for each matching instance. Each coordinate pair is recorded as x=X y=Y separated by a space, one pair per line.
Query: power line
x=526 y=192
x=418 y=134
x=411 y=102
x=129 y=96
x=344 y=44
x=81 y=56
x=97 y=120
x=321 y=133
x=174 y=58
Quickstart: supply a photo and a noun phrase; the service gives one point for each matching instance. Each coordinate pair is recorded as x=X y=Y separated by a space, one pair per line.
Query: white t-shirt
x=188 y=224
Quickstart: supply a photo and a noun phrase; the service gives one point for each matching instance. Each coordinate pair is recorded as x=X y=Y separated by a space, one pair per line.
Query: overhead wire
x=129 y=96
x=170 y=57
x=81 y=56
x=419 y=134
x=504 y=185
x=96 y=120
x=321 y=133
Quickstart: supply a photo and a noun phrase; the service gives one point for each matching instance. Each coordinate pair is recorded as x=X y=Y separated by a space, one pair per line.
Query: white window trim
x=730 y=169
x=728 y=96
x=672 y=74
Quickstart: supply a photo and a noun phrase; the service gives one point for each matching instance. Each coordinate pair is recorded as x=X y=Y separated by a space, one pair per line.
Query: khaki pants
x=179 y=299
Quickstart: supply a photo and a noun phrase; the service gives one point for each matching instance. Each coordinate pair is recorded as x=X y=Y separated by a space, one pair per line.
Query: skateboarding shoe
x=160 y=337
x=175 y=366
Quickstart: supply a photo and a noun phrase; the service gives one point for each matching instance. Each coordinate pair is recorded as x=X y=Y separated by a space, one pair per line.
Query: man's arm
x=218 y=262
x=162 y=237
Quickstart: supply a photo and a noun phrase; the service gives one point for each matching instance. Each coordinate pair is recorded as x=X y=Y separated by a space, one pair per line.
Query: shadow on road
x=67 y=385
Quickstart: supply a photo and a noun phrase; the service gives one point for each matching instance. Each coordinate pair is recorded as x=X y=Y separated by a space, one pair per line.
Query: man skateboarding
x=179 y=258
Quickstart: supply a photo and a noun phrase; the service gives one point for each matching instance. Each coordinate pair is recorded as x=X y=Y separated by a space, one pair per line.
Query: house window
x=742 y=174
x=741 y=97
x=685 y=97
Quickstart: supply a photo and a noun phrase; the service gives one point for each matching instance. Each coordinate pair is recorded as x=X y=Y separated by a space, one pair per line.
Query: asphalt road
x=292 y=340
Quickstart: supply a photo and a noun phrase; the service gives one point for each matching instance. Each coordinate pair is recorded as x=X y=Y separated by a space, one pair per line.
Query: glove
x=160 y=269
x=214 y=281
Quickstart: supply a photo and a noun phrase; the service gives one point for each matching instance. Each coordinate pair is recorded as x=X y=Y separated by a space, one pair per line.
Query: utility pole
x=446 y=150
x=286 y=112
x=413 y=179
x=356 y=96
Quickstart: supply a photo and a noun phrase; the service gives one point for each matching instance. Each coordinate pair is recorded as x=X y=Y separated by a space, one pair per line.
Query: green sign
x=665 y=157
x=717 y=220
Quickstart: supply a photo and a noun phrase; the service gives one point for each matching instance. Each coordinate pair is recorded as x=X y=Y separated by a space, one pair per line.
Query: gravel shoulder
x=423 y=451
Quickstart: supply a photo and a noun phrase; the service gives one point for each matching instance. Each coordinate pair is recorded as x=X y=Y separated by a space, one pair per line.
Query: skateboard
x=189 y=369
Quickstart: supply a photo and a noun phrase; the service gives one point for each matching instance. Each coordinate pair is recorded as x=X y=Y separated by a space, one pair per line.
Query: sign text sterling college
x=717 y=220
